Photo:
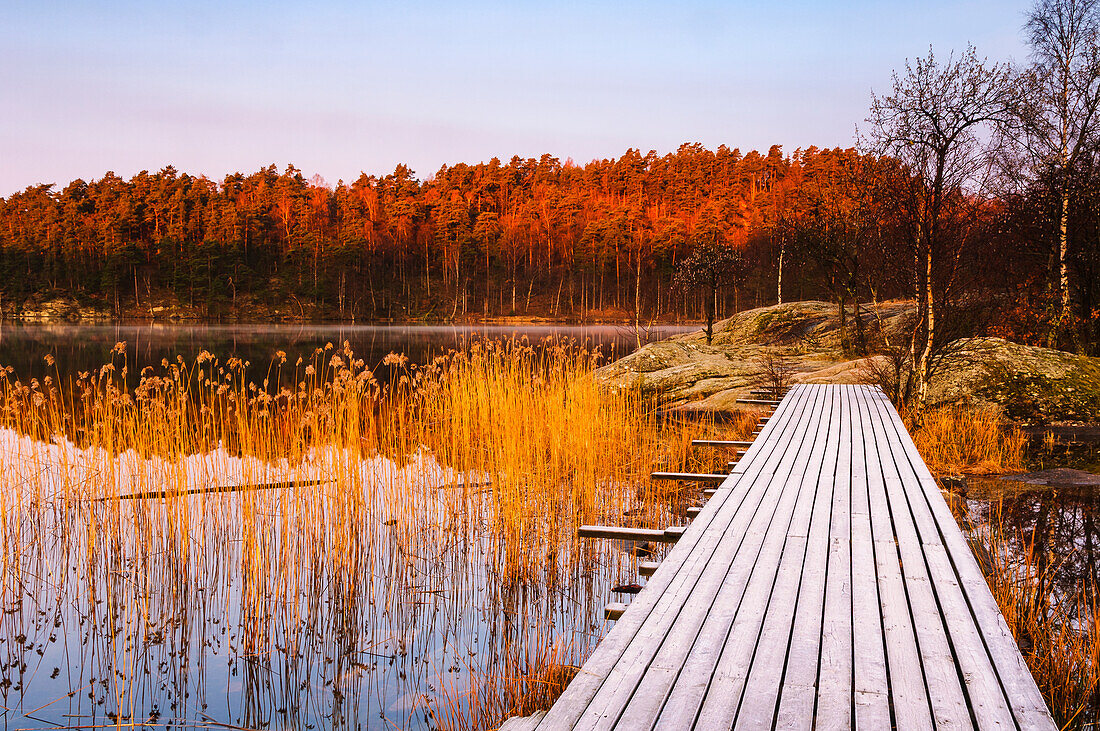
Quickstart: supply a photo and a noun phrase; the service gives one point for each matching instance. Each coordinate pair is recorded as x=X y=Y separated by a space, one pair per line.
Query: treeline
x=975 y=192
x=523 y=238
x=530 y=237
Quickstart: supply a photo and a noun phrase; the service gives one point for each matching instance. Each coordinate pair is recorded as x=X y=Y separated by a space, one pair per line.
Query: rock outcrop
x=1032 y=384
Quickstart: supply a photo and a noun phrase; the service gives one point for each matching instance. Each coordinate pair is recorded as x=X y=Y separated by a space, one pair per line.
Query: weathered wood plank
x=647 y=568
x=616 y=532
x=614 y=610
x=656 y=657
x=677 y=568
x=824 y=585
x=870 y=684
x=762 y=696
x=718 y=707
x=689 y=476
x=908 y=691
x=1022 y=694
x=720 y=443
x=834 y=676
x=799 y=682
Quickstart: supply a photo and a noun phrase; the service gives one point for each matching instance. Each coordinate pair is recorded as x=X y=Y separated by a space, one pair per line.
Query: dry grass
x=445 y=526
x=966 y=440
x=1056 y=626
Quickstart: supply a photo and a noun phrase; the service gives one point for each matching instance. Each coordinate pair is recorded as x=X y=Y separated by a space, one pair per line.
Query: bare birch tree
x=1058 y=110
x=940 y=121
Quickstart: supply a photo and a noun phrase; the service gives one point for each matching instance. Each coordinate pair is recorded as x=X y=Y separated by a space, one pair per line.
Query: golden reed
x=385 y=486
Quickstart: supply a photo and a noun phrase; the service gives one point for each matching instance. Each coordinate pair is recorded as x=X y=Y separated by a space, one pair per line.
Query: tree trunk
x=779 y=283
x=1063 y=267
x=925 y=360
x=710 y=301
x=842 y=314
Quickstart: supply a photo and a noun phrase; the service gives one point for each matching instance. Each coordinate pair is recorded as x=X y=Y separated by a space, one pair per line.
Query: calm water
x=422 y=621
x=87 y=347
x=90 y=637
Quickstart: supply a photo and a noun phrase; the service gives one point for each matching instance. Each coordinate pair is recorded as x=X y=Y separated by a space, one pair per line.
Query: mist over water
x=87 y=347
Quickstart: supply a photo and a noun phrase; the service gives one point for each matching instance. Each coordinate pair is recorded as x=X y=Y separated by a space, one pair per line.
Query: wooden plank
x=614 y=610
x=834 y=684
x=522 y=723
x=213 y=489
x=870 y=683
x=675 y=570
x=825 y=584
x=908 y=692
x=757 y=570
x=720 y=443
x=798 y=691
x=949 y=701
x=689 y=476
x=776 y=649
x=988 y=706
x=736 y=627
x=615 y=532
x=647 y=568
x=734 y=529
x=1019 y=689
x=658 y=654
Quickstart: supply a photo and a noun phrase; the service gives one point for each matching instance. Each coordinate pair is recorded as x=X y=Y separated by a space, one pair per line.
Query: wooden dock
x=825 y=585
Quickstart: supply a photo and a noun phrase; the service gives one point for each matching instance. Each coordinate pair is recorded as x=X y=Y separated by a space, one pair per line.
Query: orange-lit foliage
x=963 y=440
x=524 y=237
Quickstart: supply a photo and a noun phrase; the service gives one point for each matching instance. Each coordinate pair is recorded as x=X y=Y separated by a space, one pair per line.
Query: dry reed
x=444 y=527
x=1057 y=626
x=968 y=440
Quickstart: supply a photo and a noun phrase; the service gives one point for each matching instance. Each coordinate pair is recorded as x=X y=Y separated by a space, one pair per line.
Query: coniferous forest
x=534 y=238
x=973 y=190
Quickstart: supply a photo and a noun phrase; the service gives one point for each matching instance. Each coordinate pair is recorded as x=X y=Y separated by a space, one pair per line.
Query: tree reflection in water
x=1038 y=546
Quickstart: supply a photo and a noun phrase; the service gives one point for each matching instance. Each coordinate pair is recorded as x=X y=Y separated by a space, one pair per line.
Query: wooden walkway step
x=668 y=535
x=689 y=476
x=824 y=585
x=720 y=443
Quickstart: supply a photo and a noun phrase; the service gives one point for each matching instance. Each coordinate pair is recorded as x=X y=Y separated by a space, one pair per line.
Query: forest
x=972 y=189
x=530 y=237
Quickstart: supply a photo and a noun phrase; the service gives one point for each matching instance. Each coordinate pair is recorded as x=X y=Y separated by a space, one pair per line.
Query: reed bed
x=1054 y=617
x=968 y=440
x=1056 y=622
x=402 y=552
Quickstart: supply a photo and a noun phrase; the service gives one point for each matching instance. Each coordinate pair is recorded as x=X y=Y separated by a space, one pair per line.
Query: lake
x=390 y=602
x=87 y=347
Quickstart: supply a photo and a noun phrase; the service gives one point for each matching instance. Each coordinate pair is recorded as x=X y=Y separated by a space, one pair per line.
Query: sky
x=339 y=88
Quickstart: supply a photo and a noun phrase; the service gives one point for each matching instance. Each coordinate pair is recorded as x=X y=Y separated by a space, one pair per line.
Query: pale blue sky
x=217 y=87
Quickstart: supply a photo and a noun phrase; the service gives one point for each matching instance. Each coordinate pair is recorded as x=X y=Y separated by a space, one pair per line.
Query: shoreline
x=324 y=321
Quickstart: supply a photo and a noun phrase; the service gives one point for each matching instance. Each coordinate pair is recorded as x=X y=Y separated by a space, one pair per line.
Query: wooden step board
x=522 y=723
x=720 y=443
x=758 y=401
x=689 y=476
x=667 y=535
x=825 y=584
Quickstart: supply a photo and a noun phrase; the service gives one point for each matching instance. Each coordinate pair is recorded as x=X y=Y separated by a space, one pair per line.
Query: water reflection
x=87 y=347
x=290 y=625
x=1059 y=526
x=383 y=595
